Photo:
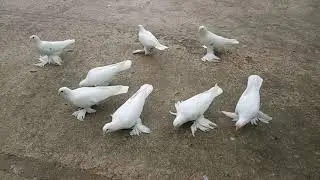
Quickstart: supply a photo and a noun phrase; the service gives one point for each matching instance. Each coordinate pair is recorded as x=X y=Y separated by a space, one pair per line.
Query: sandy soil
x=39 y=139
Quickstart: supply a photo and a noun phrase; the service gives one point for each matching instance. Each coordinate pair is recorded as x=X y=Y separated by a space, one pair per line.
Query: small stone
x=232 y=138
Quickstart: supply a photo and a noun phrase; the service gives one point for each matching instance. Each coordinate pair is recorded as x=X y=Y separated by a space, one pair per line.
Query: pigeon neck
x=252 y=88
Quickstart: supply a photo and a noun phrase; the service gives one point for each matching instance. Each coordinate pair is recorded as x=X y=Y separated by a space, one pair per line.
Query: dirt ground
x=279 y=40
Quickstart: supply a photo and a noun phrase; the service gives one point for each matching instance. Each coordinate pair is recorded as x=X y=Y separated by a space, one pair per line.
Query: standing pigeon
x=193 y=109
x=247 y=109
x=50 y=51
x=127 y=116
x=102 y=76
x=148 y=41
x=86 y=97
x=212 y=41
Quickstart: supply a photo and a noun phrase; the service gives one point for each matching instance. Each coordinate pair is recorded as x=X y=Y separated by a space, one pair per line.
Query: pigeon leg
x=139 y=51
x=147 y=51
x=80 y=114
x=89 y=110
x=43 y=61
x=210 y=56
x=203 y=124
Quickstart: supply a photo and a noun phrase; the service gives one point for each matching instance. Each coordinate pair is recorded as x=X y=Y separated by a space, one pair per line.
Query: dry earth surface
x=279 y=40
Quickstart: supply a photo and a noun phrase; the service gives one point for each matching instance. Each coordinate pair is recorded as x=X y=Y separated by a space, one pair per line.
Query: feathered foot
x=139 y=128
x=57 y=60
x=139 y=51
x=43 y=61
x=211 y=57
x=203 y=124
x=80 y=114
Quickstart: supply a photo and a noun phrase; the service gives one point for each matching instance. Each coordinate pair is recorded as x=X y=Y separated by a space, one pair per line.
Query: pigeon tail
x=161 y=47
x=172 y=113
x=139 y=128
x=145 y=90
x=216 y=90
x=231 y=41
x=232 y=115
x=203 y=124
x=121 y=89
x=125 y=65
x=70 y=41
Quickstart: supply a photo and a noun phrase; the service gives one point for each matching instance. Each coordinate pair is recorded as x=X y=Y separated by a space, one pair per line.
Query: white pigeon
x=50 y=51
x=212 y=41
x=247 y=109
x=148 y=41
x=193 y=109
x=127 y=116
x=102 y=76
x=85 y=97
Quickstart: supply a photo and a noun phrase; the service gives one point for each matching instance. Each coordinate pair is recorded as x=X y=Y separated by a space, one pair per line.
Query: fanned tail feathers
x=161 y=47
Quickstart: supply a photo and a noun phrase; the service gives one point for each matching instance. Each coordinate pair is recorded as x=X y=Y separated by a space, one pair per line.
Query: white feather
x=102 y=76
x=247 y=109
x=148 y=40
x=193 y=109
x=128 y=115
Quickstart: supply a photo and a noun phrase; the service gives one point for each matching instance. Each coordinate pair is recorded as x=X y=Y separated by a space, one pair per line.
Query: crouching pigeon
x=193 y=109
x=127 y=116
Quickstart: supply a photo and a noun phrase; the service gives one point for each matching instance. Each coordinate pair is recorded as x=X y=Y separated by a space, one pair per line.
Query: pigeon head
x=140 y=27
x=109 y=127
x=178 y=121
x=254 y=81
x=202 y=29
x=64 y=91
x=34 y=38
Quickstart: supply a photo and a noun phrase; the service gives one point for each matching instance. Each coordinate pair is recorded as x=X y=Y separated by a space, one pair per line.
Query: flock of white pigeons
x=95 y=89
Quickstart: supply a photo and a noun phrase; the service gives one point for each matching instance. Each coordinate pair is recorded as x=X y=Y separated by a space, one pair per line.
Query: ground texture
x=279 y=40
